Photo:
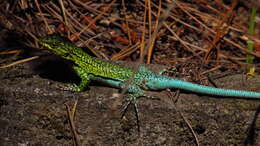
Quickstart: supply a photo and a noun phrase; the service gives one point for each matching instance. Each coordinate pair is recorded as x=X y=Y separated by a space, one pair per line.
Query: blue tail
x=162 y=82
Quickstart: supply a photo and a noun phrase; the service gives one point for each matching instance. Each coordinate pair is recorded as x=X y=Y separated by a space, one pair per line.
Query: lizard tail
x=165 y=82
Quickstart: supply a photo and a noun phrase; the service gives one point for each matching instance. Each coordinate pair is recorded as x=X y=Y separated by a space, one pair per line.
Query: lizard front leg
x=85 y=79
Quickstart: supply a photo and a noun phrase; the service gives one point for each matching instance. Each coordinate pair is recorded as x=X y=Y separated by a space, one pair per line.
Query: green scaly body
x=85 y=65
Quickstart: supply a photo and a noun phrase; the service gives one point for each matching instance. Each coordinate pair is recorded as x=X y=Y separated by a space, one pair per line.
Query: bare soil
x=33 y=112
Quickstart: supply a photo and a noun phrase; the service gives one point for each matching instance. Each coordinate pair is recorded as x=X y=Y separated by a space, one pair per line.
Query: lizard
x=90 y=68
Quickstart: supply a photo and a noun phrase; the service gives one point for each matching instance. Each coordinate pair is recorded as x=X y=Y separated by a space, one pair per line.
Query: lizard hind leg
x=132 y=100
x=133 y=96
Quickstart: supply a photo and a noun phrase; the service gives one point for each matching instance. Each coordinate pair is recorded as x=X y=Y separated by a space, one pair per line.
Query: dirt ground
x=33 y=112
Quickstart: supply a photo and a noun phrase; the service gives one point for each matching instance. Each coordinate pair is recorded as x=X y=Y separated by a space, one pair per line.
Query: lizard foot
x=71 y=87
x=132 y=100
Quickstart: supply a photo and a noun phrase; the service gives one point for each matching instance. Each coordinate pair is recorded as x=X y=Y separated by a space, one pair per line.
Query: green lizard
x=90 y=68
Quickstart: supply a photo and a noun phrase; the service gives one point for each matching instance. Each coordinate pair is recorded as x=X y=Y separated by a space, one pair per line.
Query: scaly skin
x=85 y=66
x=91 y=68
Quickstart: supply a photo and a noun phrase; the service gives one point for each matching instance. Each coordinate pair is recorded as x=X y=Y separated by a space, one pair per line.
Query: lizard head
x=57 y=45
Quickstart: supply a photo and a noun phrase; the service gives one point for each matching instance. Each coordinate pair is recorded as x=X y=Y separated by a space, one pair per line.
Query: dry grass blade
x=71 y=116
x=220 y=33
x=19 y=62
x=125 y=52
x=41 y=15
x=153 y=37
x=98 y=17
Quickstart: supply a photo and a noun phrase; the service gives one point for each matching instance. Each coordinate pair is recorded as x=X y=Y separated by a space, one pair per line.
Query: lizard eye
x=66 y=55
